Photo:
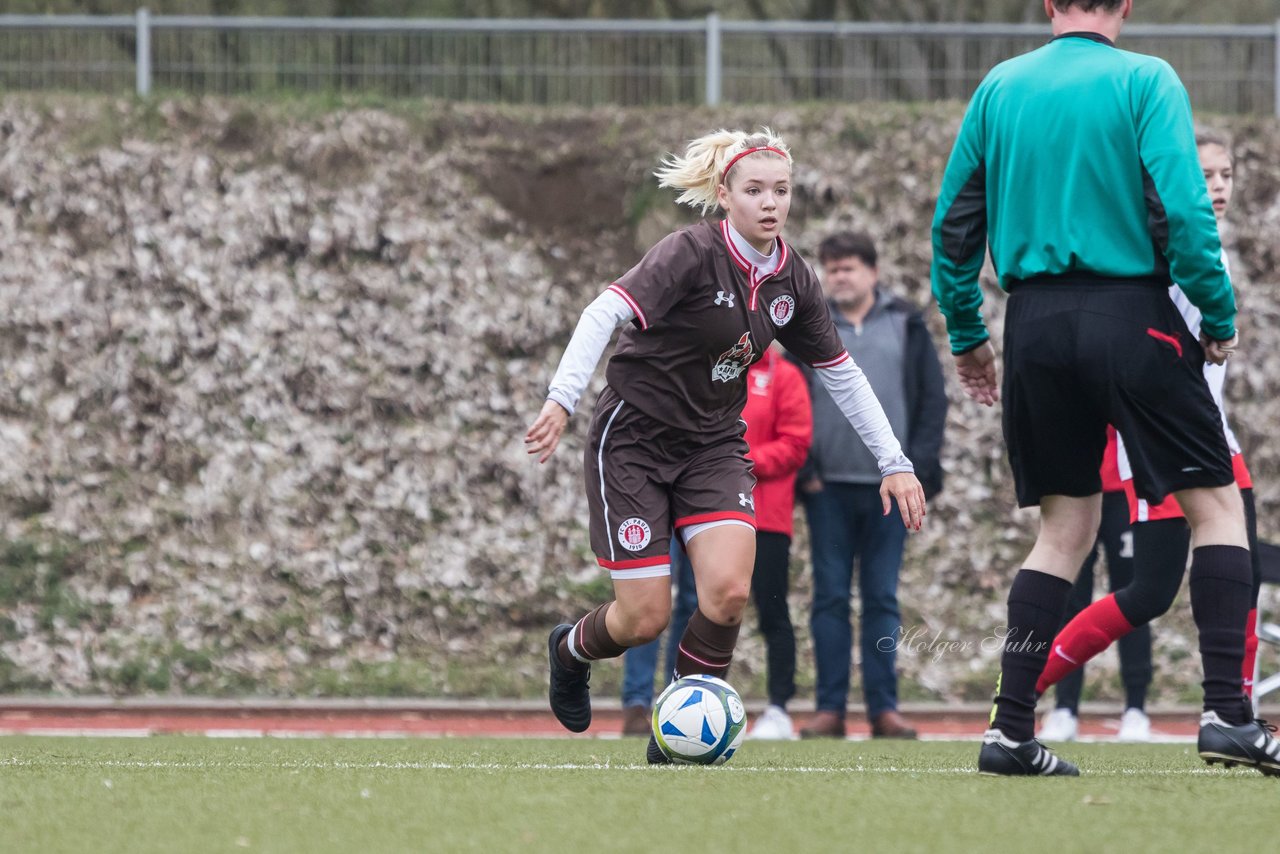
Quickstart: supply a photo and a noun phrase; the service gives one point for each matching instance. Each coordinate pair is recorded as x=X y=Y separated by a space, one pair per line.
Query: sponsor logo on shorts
x=782 y=309
x=634 y=534
x=734 y=361
x=745 y=500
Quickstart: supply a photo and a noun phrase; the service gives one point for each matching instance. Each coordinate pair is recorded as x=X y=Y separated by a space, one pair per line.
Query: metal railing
x=588 y=62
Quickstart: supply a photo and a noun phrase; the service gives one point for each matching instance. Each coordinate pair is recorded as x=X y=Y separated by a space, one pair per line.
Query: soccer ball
x=699 y=720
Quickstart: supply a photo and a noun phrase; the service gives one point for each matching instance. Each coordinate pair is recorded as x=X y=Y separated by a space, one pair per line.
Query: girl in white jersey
x=1161 y=537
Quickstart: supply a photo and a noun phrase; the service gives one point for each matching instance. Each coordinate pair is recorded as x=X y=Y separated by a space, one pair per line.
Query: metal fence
x=588 y=62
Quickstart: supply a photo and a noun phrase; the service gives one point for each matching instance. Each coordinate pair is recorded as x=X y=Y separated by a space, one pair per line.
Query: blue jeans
x=640 y=663
x=847 y=521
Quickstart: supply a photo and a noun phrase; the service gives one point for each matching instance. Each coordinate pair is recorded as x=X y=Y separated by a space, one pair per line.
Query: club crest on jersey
x=734 y=361
x=634 y=534
x=782 y=309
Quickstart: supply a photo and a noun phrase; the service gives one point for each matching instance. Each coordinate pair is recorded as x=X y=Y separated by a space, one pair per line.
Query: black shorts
x=646 y=479
x=1080 y=355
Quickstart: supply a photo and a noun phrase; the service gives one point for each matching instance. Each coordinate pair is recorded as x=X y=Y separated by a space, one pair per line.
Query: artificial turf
x=319 y=795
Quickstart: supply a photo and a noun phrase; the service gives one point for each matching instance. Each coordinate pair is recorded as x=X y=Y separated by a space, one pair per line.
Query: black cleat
x=570 y=692
x=654 y=753
x=1003 y=757
x=1249 y=744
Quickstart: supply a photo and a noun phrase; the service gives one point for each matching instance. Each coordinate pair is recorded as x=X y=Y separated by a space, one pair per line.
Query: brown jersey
x=702 y=317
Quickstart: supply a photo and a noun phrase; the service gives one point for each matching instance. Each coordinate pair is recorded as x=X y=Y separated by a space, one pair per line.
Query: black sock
x=1221 y=588
x=1036 y=603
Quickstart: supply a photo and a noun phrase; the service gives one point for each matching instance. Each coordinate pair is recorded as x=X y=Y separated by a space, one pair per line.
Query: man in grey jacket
x=888 y=339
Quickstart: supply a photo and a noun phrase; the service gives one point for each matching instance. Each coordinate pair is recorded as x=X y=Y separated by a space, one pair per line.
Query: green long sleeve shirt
x=1081 y=158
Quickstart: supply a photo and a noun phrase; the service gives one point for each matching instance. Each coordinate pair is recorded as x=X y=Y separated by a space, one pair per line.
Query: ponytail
x=708 y=160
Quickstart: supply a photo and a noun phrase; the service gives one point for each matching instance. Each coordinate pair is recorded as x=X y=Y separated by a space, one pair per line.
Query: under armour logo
x=745 y=500
x=722 y=299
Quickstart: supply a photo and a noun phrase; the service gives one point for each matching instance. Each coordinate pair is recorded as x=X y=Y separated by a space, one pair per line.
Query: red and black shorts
x=646 y=479
x=1084 y=353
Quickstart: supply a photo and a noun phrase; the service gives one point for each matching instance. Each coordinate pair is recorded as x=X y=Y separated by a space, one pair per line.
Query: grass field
x=206 y=794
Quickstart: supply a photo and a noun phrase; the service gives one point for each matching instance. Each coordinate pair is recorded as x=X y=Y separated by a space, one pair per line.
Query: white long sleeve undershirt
x=595 y=328
x=852 y=393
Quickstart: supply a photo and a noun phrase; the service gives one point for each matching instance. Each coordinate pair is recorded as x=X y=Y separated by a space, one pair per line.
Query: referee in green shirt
x=1076 y=166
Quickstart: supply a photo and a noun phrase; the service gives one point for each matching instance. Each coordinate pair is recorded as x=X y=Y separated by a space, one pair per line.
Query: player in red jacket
x=779 y=431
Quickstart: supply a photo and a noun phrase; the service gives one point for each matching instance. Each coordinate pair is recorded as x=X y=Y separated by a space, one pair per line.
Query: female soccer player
x=1161 y=537
x=665 y=447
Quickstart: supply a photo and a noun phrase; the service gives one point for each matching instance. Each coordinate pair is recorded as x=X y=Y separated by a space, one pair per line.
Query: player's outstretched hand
x=907 y=491
x=1218 y=351
x=544 y=433
x=977 y=372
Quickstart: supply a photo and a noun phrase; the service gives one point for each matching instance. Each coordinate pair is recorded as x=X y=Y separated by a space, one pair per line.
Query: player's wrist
x=968 y=348
x=560 y=401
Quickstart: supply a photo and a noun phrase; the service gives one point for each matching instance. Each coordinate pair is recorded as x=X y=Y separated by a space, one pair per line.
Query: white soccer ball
x=699 y=720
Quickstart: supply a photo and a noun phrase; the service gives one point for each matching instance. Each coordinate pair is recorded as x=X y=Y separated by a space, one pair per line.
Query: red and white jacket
x=779 y=431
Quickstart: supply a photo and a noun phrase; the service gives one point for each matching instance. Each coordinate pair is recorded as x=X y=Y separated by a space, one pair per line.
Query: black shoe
x=1004 y=757
x=1249 y=744
x=570 y=693
x=654 y=753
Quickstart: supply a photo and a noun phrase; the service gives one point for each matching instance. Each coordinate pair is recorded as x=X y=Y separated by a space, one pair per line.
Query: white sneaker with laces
x=774 y=724
x=1134 y=726
x=1059 y=725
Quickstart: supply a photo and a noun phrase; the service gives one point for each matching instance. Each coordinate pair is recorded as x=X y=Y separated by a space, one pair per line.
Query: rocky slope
x=266 y=368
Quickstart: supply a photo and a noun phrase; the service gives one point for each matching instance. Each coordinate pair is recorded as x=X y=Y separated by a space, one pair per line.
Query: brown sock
x=706 y=647
x=591 y=641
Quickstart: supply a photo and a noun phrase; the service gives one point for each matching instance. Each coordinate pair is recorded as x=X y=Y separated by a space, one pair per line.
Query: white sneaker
x=1134 y=726
x=774 y=724
x=1059 y=725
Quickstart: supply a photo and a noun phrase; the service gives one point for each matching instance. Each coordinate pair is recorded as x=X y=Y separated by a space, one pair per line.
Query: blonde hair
x=699 y=172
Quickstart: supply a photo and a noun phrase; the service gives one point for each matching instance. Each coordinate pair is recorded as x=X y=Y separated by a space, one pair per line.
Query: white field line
x=965 y=770
x=251 y=732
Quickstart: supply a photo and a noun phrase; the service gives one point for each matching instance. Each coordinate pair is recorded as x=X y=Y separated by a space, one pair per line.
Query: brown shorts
x=646 y=479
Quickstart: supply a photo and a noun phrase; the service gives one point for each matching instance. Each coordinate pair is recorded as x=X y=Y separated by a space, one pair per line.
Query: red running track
x=475 y=719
